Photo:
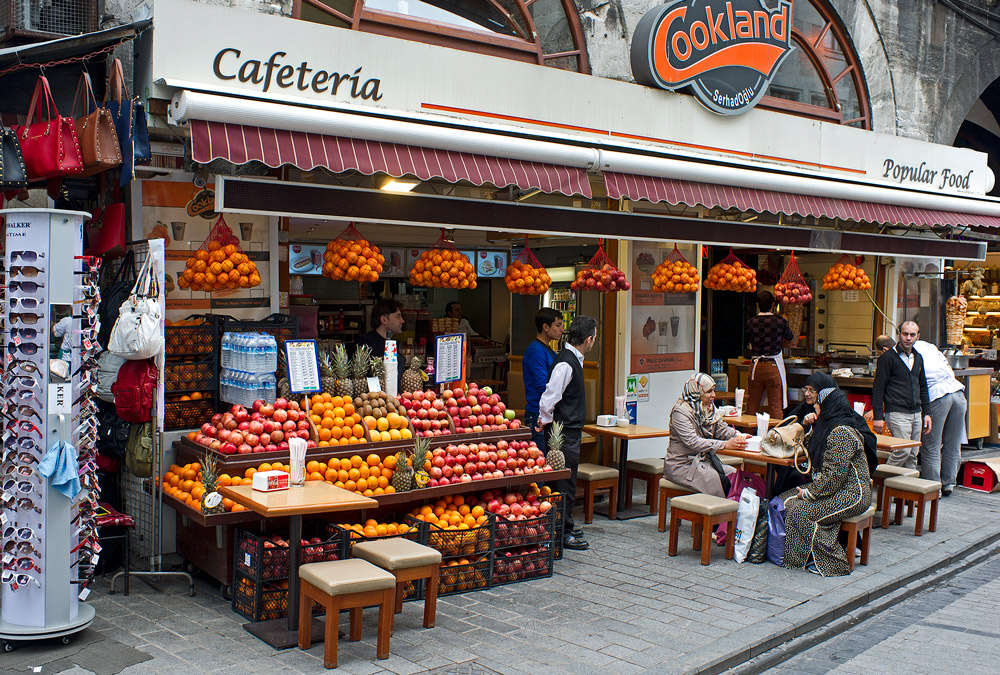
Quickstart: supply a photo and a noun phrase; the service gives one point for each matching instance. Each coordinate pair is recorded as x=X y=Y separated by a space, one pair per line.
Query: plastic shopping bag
x=746 y=522
x=776 y=531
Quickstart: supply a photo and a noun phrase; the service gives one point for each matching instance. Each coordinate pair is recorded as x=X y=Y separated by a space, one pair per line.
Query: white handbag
x=138 y=333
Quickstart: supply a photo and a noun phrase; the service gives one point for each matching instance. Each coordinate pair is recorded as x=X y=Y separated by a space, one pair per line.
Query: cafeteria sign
x=726 y=52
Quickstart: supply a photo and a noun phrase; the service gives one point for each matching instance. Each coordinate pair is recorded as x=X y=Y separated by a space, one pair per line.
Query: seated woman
x=840 y=488
x=805 y=412
x=697 y=431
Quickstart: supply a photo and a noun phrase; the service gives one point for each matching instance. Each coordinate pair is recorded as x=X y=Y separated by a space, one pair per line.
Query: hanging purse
x=138 y=333
x=51 y=148
x=96 y=130
x=130 y=123
x=13 y=175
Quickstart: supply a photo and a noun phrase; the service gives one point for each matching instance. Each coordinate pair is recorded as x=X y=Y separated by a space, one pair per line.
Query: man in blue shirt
x=536 y=363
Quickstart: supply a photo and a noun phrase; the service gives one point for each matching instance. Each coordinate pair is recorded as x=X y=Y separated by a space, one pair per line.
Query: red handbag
x=135 y=389
x=51 y=147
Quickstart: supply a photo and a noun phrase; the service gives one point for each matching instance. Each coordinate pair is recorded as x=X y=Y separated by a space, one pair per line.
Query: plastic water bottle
x=271 y=347
x=224 y=353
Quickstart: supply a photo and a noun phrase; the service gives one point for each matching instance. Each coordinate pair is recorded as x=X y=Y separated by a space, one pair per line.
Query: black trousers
x=571 y=448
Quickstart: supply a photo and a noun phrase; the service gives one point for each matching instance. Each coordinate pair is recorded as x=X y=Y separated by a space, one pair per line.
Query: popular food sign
x=726 y=52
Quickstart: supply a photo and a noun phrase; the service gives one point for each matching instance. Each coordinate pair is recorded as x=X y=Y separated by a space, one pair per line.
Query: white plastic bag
x=138 y=333
x=746 y=521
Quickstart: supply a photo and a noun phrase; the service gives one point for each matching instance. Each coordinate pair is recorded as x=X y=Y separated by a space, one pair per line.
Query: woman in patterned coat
x=840 y=489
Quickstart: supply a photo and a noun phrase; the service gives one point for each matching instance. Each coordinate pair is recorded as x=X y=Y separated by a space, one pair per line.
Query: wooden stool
x=852 y=526
x=594 y=477
x=704 y=512
x=648 y=469
x=407 y=561
x=668 y=490
x=886 y=471
x=345 y=584
x=753 y=466
x=905 y=489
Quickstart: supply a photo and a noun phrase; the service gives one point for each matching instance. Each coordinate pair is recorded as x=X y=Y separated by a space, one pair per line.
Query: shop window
x=823 y=70
x=545 y=32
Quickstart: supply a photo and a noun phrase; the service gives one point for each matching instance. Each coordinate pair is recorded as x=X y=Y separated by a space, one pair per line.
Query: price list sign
x=303 y=366
x=448 y=352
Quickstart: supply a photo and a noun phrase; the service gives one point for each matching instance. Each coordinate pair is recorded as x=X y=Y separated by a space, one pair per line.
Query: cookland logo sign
x=726 y=51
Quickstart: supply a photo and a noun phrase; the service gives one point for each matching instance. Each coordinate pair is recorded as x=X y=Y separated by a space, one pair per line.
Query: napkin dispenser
x=607 y=420
x=270 y=481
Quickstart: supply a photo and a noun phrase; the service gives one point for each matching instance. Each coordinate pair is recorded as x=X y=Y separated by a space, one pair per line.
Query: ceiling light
x=400 y=184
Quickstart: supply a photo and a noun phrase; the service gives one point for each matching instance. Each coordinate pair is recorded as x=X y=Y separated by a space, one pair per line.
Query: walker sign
x=726 y=51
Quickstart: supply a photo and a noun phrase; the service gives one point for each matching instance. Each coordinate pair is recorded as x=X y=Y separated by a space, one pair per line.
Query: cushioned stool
x=738 y=462
x=649 y=470
x=407 y=561
x=753 y=466
x=917 y=490
x=852 y=526
x=704 y=512
x=345 y=584
x=886 y=471
x=594 y=477
x=668 y=490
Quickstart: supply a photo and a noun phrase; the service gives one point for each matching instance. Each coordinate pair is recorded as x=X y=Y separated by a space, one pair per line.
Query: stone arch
x=981 y=71
x=863 y=29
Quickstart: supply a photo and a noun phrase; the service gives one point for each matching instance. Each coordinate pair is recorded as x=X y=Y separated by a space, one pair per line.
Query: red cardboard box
x=982 y=475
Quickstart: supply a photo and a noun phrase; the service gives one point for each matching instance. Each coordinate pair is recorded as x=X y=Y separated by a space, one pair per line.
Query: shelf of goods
x=982 y=320
x=191 y=372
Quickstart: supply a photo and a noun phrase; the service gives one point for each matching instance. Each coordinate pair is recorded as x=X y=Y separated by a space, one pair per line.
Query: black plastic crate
x=557 y=501
x=533 y=562
x=259 y=559
x=263 y=600
x=187 y=376
x=417 y=532
x=471 y=542
x=192 y=341
x=187 y=414
x=516 y=533
x=462 y=577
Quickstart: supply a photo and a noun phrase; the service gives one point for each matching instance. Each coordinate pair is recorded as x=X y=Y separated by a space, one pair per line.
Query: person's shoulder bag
x=138 y=333
x=13 y=175
x=785 y=440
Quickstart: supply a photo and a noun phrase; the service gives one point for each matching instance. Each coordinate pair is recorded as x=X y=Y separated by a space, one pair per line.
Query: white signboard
x=448 y=352
x=303 y=366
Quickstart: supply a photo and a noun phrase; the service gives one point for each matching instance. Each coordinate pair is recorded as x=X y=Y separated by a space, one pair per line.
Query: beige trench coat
x=687 y=462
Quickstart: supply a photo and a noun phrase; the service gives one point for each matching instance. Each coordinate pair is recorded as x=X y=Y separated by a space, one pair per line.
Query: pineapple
x=341 y=369
x=328 y=379
x=359 y=370
x=412 y=379
x=402 y=479
x=420 y=456
x=555 y=457
x=377 y=369
x=210 y=479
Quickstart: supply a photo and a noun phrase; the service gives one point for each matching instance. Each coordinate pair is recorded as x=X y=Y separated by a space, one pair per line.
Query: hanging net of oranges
x=220 y=264
x=731 y=274
x=675 y=274
x=846 y=275
x=525 y=275
x=600 y=274
x=443 y=266
x=350 y=257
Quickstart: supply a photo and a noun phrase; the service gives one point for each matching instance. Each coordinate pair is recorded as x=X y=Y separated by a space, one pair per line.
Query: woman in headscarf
x=697 y=431
x=840 y=488
x=805 y=412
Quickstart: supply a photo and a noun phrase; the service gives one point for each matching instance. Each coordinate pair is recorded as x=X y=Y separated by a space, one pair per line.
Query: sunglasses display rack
x=49 y=543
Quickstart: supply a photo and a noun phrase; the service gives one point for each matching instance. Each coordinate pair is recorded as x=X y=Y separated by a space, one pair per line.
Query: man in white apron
x=766 y=335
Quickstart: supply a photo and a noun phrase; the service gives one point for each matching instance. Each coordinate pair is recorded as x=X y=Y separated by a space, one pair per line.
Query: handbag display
x=140 y=453
x=138 y=331
x=135 y=390
x=96 y=130
x=129 y=116
x=13 y=175
x=113 y=295
x=51 y=147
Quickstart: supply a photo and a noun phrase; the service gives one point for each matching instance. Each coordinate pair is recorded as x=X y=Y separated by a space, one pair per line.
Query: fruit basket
x=521 y=564
x=538 y=530
x=556 y=499
x=356 y=534
x=187 y=414
x=459 y=575
x=265 y=557
x=470 y=541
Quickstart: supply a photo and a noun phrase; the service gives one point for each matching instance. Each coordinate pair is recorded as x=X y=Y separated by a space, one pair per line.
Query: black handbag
x=721 y=470
x=758 y=545
x=114 y=295
x=13 y=175
x=112 y=431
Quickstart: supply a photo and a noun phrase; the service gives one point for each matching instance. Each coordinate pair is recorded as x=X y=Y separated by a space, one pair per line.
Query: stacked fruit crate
x=467 y=550
x=190 y=376
x=389 y=526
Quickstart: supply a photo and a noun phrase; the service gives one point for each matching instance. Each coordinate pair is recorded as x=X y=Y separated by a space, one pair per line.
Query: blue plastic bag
x=776 y=531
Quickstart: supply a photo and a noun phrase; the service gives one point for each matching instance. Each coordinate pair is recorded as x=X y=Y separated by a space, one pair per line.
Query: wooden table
x=886 y=444
x=747 y=423
x=312 y=497
x=624 y=434
x=766 y=459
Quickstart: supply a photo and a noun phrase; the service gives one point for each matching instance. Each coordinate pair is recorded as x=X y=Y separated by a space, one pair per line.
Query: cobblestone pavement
x=623 y=606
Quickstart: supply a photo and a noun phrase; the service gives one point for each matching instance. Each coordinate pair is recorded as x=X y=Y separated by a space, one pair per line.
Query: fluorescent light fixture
x=400 y=184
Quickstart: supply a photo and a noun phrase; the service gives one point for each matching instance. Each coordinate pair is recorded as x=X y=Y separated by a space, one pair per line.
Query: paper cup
x=739 y=401
x=246 y=231
x=178 y=230
x=753 y=444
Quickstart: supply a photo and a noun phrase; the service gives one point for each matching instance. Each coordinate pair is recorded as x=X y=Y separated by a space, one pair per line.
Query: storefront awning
x=240 y=143
x=765 y=201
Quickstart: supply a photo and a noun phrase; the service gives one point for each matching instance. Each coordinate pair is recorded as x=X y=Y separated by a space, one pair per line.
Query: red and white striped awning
x=765 y=201
x=240 y=143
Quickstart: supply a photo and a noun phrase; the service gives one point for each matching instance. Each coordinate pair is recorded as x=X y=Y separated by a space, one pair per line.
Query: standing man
x=942 y=449
x=899 y=395
x=453 y=310
x=882 y=344
x=565 y=400
x=766 y=333
x=387 y=320
x=535 y=366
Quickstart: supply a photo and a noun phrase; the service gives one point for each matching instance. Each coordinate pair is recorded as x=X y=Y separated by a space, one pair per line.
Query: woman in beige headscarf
x=697 y=431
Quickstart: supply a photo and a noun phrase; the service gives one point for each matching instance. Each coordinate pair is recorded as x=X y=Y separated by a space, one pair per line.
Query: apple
x=294 y=415
x=256 y=427
x=224 y=434
x=281 y=403
x=280 y=415
x=509 y=414
x=269 y=426
x=303 y=425
x=303 y=434
x=289 y=426
x=241 y=415
x=267 y=410
x=227 y=449
x=265 y=439
x=277 y=436
x=243 y=449
x=205 y=427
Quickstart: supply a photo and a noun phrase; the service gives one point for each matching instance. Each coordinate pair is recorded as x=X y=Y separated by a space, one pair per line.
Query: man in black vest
x=899 y=395
x=564 y=400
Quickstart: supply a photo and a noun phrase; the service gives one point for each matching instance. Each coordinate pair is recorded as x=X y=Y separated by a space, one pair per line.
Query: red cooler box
x=981 y=474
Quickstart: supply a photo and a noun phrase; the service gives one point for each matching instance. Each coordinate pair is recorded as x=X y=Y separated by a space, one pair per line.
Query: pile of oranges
x=183 y=483
x=373 y=528
x=846 y=277
x=392 y=427
x=525 y=279
x=219 y=268
x=443 y=268
x=357 y=260
x=733 y=276
x=675 y=276
x=336 y=420
x=369 y=476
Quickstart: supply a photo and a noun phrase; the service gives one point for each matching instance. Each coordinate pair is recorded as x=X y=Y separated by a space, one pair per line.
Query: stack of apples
x=265 y=428
x=476 y=410
x=606 y=279
x=469 y=462
x=792 y=293
x=427 y=413
x=517 y=564
x=521 y=518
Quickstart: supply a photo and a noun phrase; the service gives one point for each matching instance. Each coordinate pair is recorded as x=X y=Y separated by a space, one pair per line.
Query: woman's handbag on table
x=95 y=128
x=776 y=531
x=13 y=175
x=51 y=148
x=138 y=333
x=786 y=441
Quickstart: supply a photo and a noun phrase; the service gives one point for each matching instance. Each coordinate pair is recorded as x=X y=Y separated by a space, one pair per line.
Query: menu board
x=303 y=366
x=448 y=352
x=305 y=259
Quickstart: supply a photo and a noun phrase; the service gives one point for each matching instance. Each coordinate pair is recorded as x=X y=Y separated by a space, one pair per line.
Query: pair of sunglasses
x=25 y=286
x=16 y=581
x=26 y=256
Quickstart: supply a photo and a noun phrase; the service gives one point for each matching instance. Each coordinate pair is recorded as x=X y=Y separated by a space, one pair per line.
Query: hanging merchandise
x=95 y=129
x=600 y=274
x=525 y=275
x=792 y=288
x=130 y=123
x=443 y=266
x=846 y=275
x=350 y=257
x=220 y=264
x=13 y=175
x=731 y=274
x=675 y=274
x=138 y=333
x=51 y=148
